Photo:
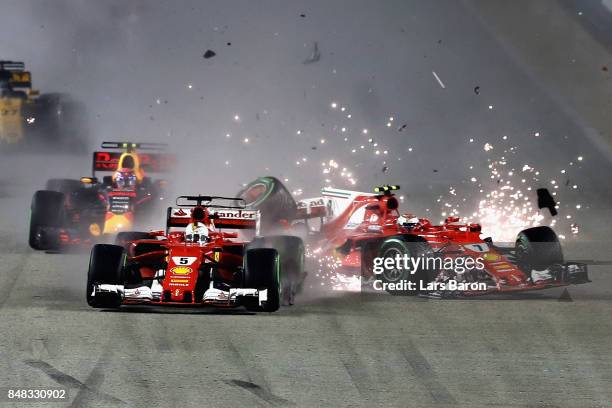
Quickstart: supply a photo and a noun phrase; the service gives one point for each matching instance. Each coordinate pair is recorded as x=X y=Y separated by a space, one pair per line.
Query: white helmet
x=408 y=220
x=196 y=232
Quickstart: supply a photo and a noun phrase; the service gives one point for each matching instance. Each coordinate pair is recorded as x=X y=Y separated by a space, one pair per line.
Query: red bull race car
x=366 y=235
x=80 y=211
x=206 y=256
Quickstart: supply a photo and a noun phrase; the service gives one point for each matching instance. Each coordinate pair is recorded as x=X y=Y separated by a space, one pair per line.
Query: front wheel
x=403 y=278
x=261 y=272
x=45 y=219
x=291 y=259
x=538 y=248
x=105 y=268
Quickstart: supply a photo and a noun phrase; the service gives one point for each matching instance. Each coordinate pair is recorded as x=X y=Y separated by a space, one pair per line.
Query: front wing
x=234 y=297
x=559 y=275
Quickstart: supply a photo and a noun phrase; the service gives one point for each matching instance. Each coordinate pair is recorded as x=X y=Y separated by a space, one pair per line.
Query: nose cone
x=117 y=222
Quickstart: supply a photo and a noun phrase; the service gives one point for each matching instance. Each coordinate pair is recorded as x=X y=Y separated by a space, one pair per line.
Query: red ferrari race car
x=80 y=211
x=200 y=264
x=365 y=234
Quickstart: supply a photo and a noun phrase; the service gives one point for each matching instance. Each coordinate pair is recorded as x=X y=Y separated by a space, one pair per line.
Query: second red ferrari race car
x=205 y=257
x=359 y=231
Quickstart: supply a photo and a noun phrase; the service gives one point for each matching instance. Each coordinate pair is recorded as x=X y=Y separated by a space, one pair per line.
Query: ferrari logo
x=217 y=256
x=181 y=270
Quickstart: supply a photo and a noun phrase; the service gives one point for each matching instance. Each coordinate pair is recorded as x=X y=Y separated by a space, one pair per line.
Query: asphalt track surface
x=331 y=349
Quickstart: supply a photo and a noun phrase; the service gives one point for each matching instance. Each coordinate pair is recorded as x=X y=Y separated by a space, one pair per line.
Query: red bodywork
x=184 y=261
x=354 y=235
x=188 y=265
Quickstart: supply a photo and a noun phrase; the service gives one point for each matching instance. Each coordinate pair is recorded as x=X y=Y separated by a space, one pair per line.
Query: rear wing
x=130 y=146
x=313 y=208
x=333 y=201
x=149 y=162
x=19 y=77
x=222 y=218
x=12 y=66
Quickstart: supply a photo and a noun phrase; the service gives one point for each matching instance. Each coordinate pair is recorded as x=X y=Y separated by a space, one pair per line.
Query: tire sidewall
x=106 y=264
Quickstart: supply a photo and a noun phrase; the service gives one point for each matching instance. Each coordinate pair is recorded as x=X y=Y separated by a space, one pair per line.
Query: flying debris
x=209 y=54
x=438 y=79
x=402 y=127
x=546 y=200
x=315 y=56
x=477 y=90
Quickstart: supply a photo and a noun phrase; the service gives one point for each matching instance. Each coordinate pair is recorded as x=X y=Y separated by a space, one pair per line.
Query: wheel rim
x=522 y=254
x=394 y=274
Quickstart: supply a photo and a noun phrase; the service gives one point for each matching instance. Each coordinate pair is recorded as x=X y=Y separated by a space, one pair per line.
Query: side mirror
x=546 y=200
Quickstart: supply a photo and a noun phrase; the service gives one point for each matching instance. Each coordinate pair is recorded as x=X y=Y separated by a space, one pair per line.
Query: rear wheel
x=537 y=249
x=105 y=268
x=261 y=271
x=45 y=218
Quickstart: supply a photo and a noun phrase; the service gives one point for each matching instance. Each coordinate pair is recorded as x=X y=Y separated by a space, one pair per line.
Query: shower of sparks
x=328 y=272
x=504 y=203
x=500 y=198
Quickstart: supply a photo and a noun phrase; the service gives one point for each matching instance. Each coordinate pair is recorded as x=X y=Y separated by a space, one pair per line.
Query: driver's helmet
x=125 y=180
x=409 y=221
x=196 y=232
